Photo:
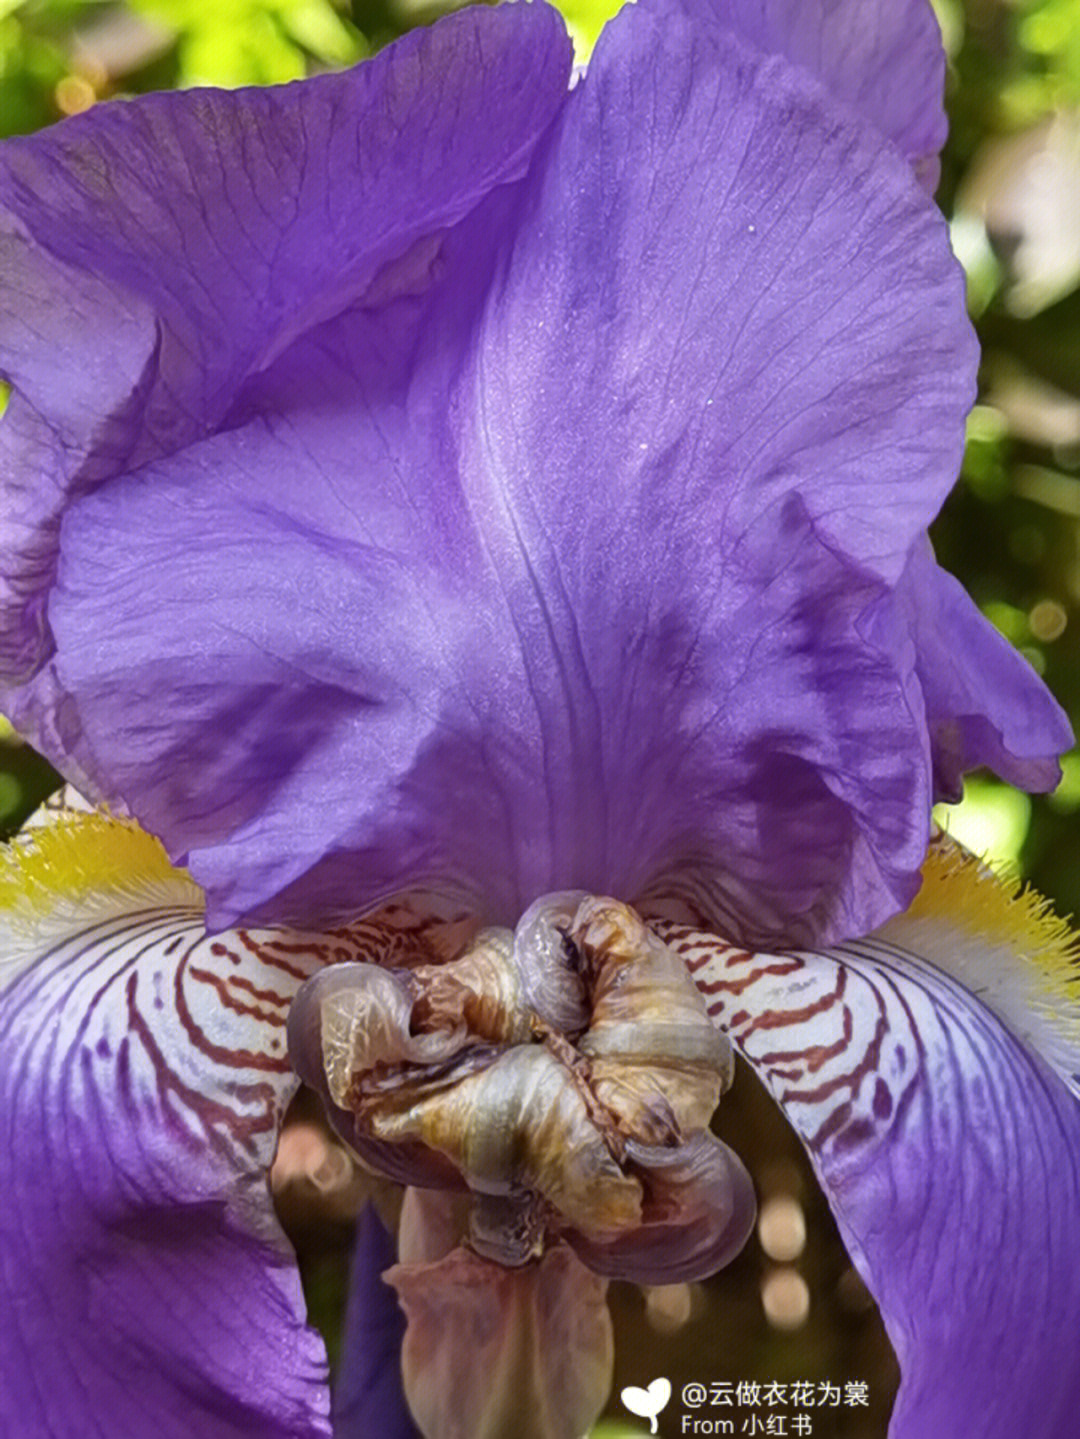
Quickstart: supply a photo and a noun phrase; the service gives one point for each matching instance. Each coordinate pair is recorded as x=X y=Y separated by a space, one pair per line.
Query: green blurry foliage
x=33 y=60
x=125 y=48
x=585 y=19
x=1049 y=35
x=254 y=42
x=1011 y=528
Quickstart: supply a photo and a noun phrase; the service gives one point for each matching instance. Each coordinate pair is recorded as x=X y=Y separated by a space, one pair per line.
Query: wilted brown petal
x=565 y=1074
x=524 y=1351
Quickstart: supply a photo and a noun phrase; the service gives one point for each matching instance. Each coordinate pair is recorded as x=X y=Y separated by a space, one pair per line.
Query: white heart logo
x=647 y=1403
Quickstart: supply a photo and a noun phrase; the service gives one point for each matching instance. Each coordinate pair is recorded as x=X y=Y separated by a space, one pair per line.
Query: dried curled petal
x=551 y=980
x=492 y=1336
x=363 y=1021
x=483 y=988
x=658 y=1061
x=517 y=1126
x=699 y=1211
x=643 y=1006
x=564 y=1075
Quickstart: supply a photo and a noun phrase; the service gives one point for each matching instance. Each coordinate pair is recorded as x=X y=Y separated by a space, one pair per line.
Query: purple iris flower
x=439 y=480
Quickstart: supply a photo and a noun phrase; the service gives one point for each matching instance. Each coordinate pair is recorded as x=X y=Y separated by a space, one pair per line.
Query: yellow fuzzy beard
x=995 y=936
x=89 y=859
x=1003 y=941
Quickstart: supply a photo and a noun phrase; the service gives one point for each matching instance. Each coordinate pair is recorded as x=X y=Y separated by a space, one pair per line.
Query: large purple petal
x=910 y=1065
x=83 y=357
x=883 y=57
x=380 y=629
x=730 y=291
x=982 y=703
x=157 y=253
x=145 y=1287
x=369 y=1397
x=440 y=736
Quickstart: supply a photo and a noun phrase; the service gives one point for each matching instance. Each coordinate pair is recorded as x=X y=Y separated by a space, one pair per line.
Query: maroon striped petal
x=145 y=1288
x=931 y=1071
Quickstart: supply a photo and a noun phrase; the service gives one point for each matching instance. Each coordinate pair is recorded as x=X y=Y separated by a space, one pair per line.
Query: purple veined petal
x=145 y=1286
x=368 y=1396
x=883 y=57
x=724 y=269
x=158 y=252
x=635 y=335
x=96 y=350
x=404 y=640
x=348 y=639
x=332 y=764
x=983 y=704
x=928 y=1069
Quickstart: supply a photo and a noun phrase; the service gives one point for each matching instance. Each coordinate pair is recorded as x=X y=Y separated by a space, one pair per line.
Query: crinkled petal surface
x=526 y=1351
x=981 y=705
x=156 y=254
x=947 y=1145
x=576 y=568
x=145 y=1287
x=882 y=57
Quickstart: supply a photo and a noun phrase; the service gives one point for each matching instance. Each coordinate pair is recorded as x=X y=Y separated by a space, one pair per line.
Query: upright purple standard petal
x=882 y=57
x=158 y=253
x=912 y=1065
x=575 y=558
x=145 y=1287
x=981 y=705
x=561 y=574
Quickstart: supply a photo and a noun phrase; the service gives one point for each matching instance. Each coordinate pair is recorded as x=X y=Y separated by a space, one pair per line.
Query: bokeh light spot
x=991 y=820
x=785 y=1297
x=782 y=1227
x=1047 y=620
x=74 y=94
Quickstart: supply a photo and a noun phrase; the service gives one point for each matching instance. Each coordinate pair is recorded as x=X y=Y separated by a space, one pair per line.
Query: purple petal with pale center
x=946 y=1145
x=145 y=1287
x=157 y=254
x=575 y=569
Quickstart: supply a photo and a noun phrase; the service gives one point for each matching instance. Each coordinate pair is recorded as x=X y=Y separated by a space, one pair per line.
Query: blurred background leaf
x=253 y=42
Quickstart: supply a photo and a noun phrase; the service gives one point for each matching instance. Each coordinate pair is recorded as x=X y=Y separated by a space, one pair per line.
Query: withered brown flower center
x=565 y=1074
